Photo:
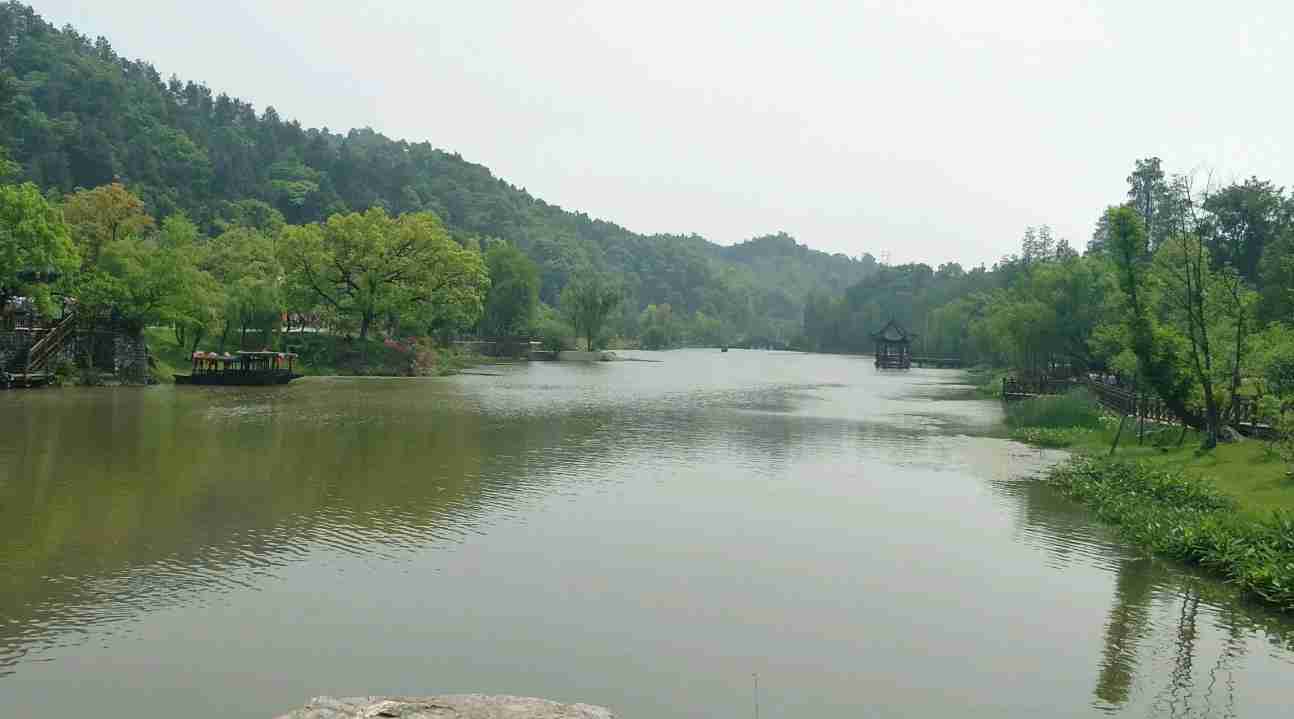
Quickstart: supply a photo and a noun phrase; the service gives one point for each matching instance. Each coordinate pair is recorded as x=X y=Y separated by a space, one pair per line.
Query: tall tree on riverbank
x=1156 y=350
x=369 y=265
x=244 y=263
x=587 y=302
x=1240 y=221
x=514 y=291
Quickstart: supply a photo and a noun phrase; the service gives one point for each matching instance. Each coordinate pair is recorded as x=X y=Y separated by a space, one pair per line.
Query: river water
x=648 y=536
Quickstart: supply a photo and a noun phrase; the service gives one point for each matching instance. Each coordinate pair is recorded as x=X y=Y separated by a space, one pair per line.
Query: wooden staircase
x=39 y=355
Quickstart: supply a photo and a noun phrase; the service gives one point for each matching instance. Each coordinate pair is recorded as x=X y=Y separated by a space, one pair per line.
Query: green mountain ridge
x=75 y=114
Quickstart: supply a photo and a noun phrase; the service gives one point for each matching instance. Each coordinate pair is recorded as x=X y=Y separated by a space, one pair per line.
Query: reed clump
x=1188 y=520
x=1076 y=409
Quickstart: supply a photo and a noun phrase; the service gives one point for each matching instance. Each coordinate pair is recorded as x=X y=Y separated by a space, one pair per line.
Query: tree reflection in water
x=1166 y=623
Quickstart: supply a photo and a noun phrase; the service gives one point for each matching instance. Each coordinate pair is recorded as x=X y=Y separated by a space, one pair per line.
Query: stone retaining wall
x=13 y=344
x=124 y=355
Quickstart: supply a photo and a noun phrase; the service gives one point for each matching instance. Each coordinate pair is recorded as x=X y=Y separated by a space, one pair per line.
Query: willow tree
x=370 y=265
x=587 y=302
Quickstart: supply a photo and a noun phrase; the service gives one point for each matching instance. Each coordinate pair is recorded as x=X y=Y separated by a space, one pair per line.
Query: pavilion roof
x=893 y=332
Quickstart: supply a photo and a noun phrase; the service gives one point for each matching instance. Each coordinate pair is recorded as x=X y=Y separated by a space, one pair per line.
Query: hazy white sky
x=929 y=130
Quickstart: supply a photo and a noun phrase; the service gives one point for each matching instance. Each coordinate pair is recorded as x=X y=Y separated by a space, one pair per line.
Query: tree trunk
x=1211 y=418
x=364 y=322
x=1118 y=433
x=1235 y=367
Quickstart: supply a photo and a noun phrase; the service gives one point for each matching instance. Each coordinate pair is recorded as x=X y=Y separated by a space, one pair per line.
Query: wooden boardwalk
x=937 y=362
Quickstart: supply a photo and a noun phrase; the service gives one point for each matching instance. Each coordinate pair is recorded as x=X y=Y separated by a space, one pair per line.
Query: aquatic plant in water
x=1188 y=520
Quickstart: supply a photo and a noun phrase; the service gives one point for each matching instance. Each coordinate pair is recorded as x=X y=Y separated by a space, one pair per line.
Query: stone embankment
x=453 y=706
x=121 y=354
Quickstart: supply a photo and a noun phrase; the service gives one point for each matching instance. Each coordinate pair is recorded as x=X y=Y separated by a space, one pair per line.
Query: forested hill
x=74 y=114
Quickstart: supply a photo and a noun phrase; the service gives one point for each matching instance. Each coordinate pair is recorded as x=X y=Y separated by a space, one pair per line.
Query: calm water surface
x=642 y=535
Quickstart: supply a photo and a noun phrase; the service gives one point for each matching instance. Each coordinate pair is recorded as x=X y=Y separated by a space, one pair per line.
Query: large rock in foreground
x=450 y=706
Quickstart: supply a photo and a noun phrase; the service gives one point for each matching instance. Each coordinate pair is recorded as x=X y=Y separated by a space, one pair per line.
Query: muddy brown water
x=647 y=536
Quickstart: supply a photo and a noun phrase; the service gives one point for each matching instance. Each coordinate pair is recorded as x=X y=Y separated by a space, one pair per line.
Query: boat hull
x=236 y=379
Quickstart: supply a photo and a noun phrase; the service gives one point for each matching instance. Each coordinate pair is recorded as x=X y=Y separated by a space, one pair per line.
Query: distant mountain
x=74 y=114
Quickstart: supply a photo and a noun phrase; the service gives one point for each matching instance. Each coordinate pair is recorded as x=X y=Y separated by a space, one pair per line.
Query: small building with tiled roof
x=893 y=346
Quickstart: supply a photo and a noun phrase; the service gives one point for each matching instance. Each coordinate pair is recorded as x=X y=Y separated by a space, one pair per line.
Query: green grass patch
x=1190 y=519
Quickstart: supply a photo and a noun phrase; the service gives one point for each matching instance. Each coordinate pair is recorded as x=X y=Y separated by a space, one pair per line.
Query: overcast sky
x=928 y=130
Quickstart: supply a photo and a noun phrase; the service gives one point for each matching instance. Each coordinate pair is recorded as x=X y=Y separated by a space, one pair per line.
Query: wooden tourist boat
x=244 y=368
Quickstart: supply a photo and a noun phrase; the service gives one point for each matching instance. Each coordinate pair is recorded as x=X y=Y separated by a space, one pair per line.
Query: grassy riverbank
x=986 y=380
x=327 y=355
x=1188 y=519
x=1250 y=472
x=1229 y=510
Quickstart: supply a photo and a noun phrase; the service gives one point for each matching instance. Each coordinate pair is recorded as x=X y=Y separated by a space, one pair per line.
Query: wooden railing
x=51 y=343
x=1128 y=402
x=1245 y=414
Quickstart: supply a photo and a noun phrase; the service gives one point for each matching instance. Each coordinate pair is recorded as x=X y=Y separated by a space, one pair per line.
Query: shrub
x=1054 y=437
x=555 y=334
x=1284 y=441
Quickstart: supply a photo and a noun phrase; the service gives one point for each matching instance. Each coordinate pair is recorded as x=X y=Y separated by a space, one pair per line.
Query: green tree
x=9 y=170
x=244 y=263
x=369 y=265
x=35 y=245
x=587 y=302
x=514 y=291
x=102 y=216
x=147 y=283
x=1276 y=277
x=1192 y=300
x=657 y=327
x=1240 y=221
x=1157 y=351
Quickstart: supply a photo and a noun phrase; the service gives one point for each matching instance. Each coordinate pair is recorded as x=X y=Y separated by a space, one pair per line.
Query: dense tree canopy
x=75 y=114
x=1185 y=292
x=367 y=265
x=513 y=298
x=35 y=245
